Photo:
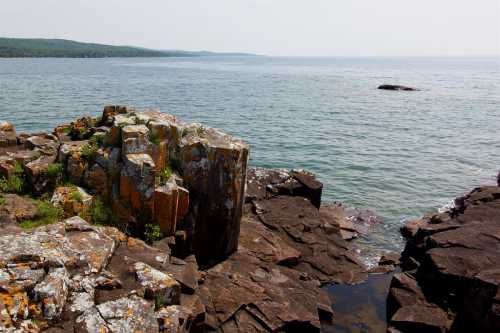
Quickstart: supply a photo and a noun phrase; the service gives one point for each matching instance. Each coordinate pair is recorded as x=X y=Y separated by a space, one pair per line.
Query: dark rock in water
x=396 y=87
x=451 y=278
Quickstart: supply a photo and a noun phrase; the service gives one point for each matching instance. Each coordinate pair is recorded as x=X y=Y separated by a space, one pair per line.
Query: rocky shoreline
x=138 y=222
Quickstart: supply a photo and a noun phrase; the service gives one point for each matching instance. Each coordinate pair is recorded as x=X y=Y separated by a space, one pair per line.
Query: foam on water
x=397 y=153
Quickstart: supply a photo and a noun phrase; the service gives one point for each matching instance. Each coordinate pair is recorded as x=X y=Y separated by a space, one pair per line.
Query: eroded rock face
x=450 y=280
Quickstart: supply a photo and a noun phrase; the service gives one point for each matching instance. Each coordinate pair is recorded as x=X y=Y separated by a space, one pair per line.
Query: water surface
x=398 y=153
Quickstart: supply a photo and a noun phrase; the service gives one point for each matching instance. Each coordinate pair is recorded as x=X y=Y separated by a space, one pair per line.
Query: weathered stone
x=82 y=129
x=96 y=178
x=137 y=182
x=7 y=134
x=214 y=171
x=129 y=315
x=16 y=209
x=45 y=143
x=74 y=200
x=37 y=176
x=450 y=280
x=52 y=293
x=171 y=204
x=174 y=319
x=158 y=286
x=7 y=166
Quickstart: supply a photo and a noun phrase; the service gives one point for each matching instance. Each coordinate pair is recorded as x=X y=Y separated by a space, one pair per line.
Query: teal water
x=399 y=153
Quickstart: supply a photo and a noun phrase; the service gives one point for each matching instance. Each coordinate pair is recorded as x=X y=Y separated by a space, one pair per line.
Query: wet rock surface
x=450 y=280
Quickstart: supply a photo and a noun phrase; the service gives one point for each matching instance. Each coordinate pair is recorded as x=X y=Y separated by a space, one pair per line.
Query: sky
x=270 y=27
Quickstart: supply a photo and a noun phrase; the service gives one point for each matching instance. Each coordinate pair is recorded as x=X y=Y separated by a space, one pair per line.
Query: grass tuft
x=164 y=175
x=14 y=183
x=46 y=214
x=152 y=233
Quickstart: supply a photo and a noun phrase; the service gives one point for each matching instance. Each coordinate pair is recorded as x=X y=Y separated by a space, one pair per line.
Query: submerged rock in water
x=450 y=280
x=396 y=87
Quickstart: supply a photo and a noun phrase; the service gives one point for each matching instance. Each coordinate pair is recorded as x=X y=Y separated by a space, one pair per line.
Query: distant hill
x=62 y=48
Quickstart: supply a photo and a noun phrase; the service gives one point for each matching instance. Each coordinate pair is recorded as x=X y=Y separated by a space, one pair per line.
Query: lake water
x=399 y=153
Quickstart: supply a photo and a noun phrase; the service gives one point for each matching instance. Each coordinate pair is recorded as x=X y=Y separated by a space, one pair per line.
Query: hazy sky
x=273 y=27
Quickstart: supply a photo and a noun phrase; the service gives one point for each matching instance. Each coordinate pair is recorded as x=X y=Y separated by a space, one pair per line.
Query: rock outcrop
x=451 y=277
x=149 y=167
x=396 y=87
x=261 y=237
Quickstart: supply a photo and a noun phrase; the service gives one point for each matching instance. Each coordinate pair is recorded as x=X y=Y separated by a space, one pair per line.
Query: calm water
x=398 y=153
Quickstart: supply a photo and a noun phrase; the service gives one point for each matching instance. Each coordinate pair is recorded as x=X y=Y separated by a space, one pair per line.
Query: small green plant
x=164 y=175
x=46 y=213
x=154 y=139
x=97 y=140
x=152 y=233
x=54 y=169
x=89 y=150
x=75 y=195
x=2 y=199
x=15 y=182
x=200 y=131
x=159 y=302
x=99 y=213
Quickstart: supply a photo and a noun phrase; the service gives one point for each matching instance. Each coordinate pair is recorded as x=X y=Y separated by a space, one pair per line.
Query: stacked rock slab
x=153 y=168
x=450 y=280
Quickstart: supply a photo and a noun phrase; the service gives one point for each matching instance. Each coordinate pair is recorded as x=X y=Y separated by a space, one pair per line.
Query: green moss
x=46 y=213
x=152 y=233
x=54 y=169
x=164 y=175
x=2 y=199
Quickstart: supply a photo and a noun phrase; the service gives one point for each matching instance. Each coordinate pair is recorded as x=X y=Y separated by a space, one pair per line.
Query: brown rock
x=7 y=134
x=449 y=259
x=214 y=171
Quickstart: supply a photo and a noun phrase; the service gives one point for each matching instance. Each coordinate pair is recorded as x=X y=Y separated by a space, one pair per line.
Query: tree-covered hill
x=21 y=47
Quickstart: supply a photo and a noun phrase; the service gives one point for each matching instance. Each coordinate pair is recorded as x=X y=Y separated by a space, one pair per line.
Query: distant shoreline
x=62 y=48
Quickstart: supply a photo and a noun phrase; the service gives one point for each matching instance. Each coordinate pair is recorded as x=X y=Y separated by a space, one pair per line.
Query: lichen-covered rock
x=131 y=314
x=158 y=286
x=52 y=292
x=73 y=199
x=16 y=209
x=174 y=319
